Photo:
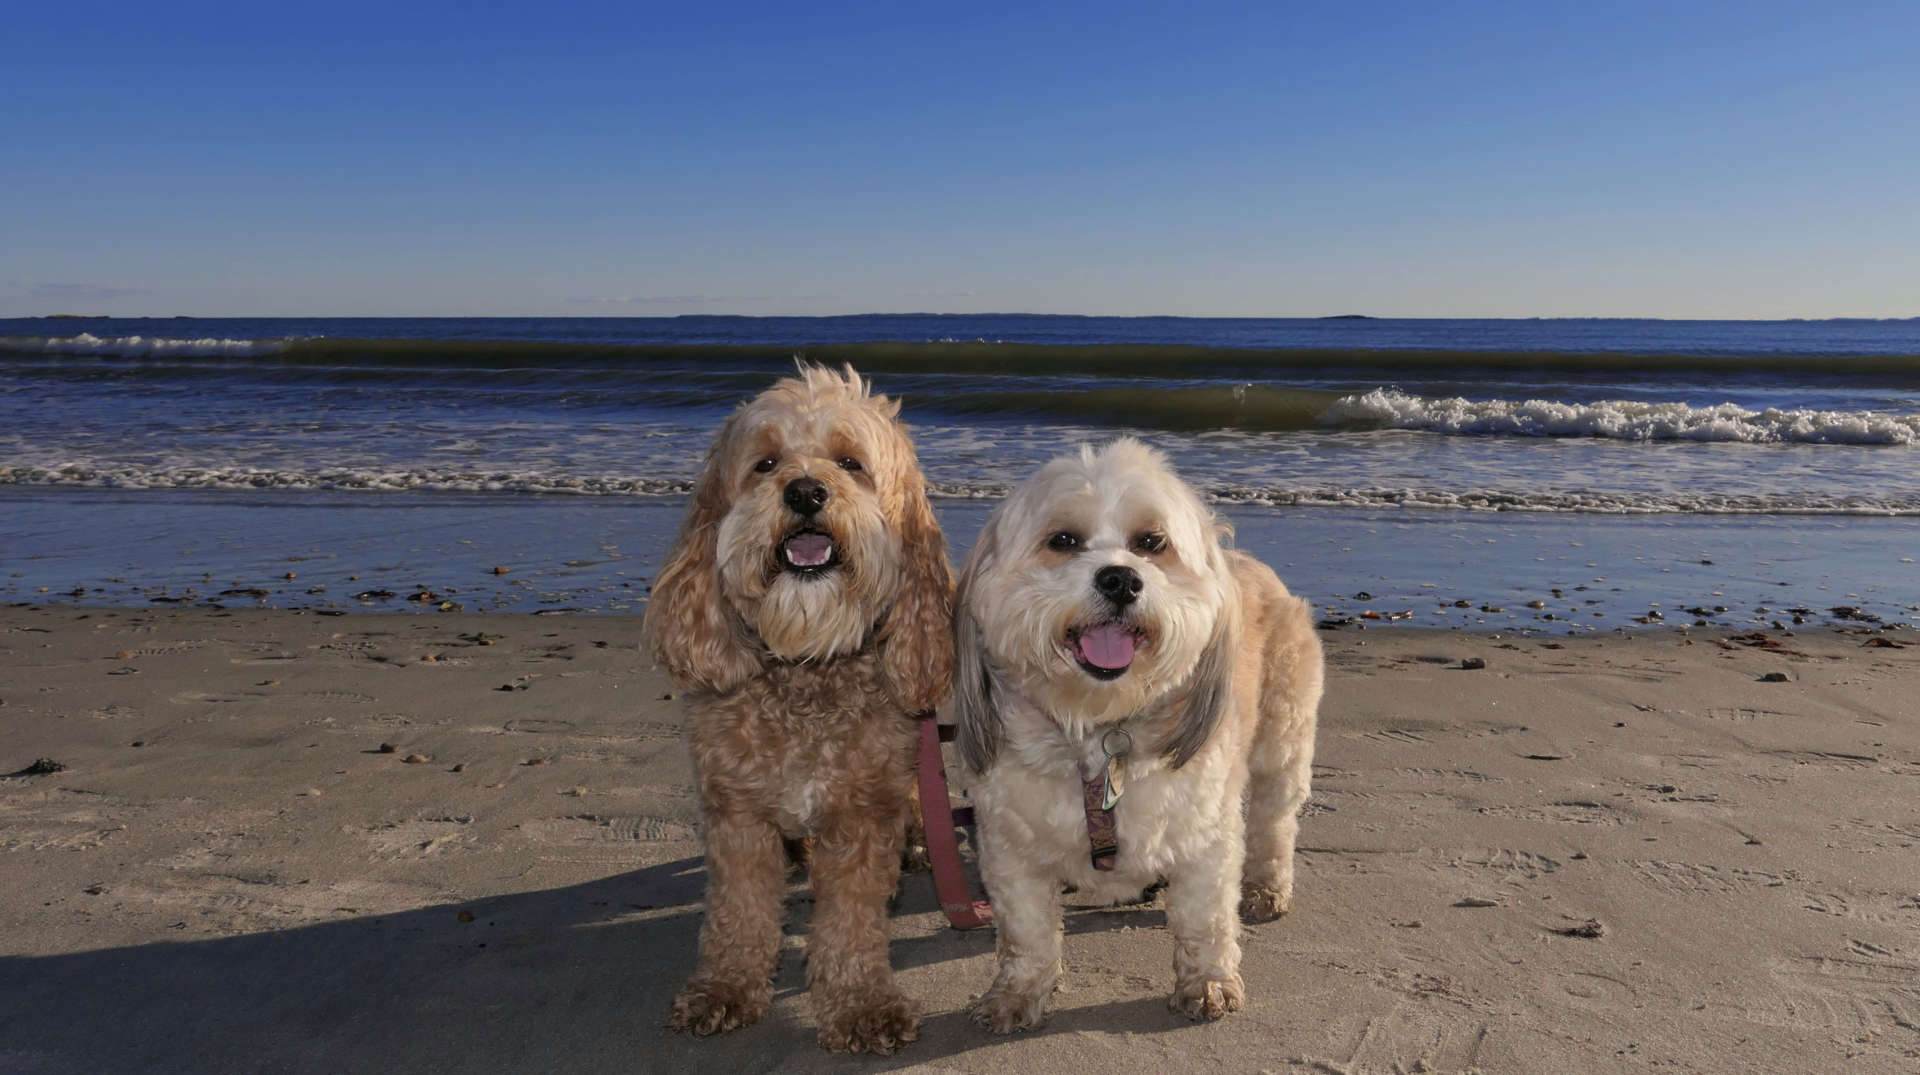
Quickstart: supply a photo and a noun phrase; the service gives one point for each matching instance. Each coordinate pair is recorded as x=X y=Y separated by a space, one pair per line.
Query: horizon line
x=62 y=316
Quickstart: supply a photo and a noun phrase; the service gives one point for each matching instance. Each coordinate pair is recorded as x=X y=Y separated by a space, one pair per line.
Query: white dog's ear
x=1210 y=691
x=689 y=627
x=977 y=721
x=918 y=655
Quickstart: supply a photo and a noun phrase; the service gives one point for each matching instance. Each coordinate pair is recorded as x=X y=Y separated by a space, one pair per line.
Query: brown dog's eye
x=765 y=466
x=1064 y=541
x=1151 y=541
x=849 y=463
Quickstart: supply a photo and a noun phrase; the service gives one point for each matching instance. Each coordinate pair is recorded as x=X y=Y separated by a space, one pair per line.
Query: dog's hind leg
x=1280 y=762
x=740 y=936
x=856 y=864
x=1275 y=792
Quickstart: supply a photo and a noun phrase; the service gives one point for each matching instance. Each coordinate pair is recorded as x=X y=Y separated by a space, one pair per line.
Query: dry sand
x=1595 y=854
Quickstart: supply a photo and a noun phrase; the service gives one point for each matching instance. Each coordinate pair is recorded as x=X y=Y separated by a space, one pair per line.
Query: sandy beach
x=283 y=841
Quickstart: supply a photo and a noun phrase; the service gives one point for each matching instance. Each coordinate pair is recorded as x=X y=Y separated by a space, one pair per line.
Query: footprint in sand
x=204 y=698
x=420 y=837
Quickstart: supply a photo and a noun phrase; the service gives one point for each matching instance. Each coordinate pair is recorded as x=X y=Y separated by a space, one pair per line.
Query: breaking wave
x=139 y=346
x=130 y=477
x=1622 y=420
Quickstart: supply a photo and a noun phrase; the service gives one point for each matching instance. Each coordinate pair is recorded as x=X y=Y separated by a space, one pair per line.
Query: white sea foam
x=375 y=480
x=145 y=346
x=1623 y=420
x=333 y=480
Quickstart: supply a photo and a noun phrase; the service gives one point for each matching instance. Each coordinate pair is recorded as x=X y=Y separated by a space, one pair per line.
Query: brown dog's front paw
x=1263 y=903
x=709 y=1007
x=880 y=1025
x=1004 y=1011
x=1209 y=998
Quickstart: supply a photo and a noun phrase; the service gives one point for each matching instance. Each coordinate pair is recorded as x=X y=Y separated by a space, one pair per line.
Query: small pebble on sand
x=389 y=748
x=1473 y=662
x=416 y=759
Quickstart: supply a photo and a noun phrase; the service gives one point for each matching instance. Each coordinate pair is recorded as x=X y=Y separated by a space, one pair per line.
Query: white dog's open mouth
x=1105 y=650
x=809 y=552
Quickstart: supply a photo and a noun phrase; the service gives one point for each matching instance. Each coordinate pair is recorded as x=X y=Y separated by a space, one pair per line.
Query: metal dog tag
x=1114 y=786
x=1115 y=776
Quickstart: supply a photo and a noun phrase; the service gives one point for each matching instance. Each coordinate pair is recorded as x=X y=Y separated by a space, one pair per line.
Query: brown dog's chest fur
x=803 y=743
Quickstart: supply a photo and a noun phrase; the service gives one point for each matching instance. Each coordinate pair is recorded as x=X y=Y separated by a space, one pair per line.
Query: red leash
x=936 y=809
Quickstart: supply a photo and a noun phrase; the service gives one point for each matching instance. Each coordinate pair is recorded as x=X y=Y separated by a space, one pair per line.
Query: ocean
x=1434 y=440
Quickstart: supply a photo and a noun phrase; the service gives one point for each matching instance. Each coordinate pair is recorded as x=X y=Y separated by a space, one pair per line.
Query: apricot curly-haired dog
x=806 y=609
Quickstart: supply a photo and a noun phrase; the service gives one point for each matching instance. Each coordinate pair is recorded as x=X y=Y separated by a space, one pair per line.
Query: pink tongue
x=809 y=550
x=1108 y=646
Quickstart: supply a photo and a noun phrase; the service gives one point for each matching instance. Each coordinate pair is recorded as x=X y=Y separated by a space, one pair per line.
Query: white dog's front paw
x=1004 y=1011
x=1208 y=998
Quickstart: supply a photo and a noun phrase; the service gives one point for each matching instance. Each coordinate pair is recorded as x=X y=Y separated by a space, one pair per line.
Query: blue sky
x=1471 y=159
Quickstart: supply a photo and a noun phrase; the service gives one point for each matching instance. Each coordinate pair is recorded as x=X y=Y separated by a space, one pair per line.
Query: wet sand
x=1477 y=571
x=291 y=842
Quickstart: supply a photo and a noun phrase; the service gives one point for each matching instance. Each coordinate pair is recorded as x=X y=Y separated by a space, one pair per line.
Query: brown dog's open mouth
x=809 y=552
x=1105 y=650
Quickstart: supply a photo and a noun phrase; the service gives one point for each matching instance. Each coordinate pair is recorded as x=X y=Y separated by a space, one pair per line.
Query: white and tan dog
x=1122 y=682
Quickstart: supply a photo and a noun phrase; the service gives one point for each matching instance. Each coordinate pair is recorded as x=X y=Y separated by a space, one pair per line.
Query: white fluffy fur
x=1220 y=701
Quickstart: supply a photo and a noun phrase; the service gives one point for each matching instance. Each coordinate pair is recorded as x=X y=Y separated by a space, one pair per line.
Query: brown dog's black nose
x=1120 y=585
x=805 y=495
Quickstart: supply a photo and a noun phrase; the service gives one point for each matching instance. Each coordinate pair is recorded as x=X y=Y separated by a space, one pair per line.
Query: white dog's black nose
x=805 y=495
x=1118 y=584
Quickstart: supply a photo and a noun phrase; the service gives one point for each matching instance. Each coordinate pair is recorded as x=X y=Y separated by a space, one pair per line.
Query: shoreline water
x=1479 y=571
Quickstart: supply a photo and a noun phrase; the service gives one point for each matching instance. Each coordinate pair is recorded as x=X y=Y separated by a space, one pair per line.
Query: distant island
x=1348 y=317
x=73 y=317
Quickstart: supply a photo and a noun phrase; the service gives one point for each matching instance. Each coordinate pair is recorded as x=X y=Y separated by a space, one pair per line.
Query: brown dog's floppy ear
x=1210 y=691
x=977 y=720
x=917 y=653
x=691 y=630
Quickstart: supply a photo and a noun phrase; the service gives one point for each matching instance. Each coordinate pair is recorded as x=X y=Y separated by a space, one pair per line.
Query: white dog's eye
x=1150 y=541
x=848 y=462
x=1063 y=541
x=766 y=465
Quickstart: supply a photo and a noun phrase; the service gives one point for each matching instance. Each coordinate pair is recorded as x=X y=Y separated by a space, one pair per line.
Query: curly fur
x=1220 y=700
x=803 y=689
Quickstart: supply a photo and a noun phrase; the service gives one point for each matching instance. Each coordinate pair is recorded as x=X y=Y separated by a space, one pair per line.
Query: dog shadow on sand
x=577 y=978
